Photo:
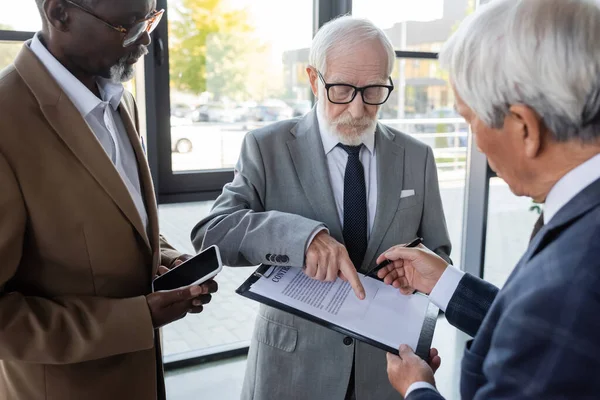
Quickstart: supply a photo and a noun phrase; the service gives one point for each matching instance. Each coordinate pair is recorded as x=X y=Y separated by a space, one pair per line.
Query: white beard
x=358 y=134
x=123 y=71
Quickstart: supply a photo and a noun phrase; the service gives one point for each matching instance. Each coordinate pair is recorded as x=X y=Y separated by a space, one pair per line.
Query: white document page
x=385 y=315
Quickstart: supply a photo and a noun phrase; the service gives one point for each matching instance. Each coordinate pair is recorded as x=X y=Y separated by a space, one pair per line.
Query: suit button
x=273 y=258
x=285 y=259
x=279 y=259
x=268 y=257
x=348 y=341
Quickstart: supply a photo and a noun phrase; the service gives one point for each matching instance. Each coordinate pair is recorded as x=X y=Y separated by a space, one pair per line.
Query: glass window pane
x=232 y=70
x=8 y=52
x=229 y=318
x=422 y=105
x=509 y=225
x=19 y=15
x=415 y=25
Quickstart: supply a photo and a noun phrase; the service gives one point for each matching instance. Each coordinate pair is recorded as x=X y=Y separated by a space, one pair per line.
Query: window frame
x=185 y=186
x=15 y=36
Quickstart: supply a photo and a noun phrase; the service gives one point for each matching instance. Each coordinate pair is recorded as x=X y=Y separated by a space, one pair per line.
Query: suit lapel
x=126 y=110
x=390 y=176
x=308 y=156
x=581 y=204
x=70 y=126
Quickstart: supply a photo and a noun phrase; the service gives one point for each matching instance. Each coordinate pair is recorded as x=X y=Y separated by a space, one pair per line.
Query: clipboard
x=266 y=271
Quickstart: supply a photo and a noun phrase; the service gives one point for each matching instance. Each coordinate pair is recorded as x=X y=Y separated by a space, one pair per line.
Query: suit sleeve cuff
x=419 y=385
x=312 y=236
x=168 y=254
x=444 y=289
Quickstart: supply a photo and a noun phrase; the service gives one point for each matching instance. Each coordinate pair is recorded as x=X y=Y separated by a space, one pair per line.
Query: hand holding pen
x=373 y=271
x=410 y=269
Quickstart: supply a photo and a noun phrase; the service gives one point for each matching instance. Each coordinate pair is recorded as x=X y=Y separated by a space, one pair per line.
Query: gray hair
x=344 y=33
x=541 y=53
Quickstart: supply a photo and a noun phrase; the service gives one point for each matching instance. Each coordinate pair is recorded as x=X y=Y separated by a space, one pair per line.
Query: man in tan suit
x=79 y=238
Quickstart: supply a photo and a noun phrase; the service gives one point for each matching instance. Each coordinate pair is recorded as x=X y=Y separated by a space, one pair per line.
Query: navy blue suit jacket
x=538 y=337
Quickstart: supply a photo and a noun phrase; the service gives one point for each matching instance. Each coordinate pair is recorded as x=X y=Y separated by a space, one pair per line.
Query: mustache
x=139 y=52
x=348 y=120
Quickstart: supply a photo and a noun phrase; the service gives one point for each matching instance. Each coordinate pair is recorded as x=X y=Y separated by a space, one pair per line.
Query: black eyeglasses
x=137 y=29
x=342 y=93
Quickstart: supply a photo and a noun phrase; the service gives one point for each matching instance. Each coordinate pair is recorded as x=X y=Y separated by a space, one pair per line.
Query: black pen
x=385 y=263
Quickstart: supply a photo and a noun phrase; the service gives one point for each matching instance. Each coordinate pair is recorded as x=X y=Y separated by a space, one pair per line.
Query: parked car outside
x=180 y=110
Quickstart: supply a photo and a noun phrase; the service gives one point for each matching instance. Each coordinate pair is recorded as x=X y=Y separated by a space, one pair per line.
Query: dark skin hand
x=169 y=306
x=196 y=305
x=180 y=260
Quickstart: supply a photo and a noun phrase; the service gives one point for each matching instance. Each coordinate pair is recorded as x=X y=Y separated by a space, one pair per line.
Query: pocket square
x=407 y=193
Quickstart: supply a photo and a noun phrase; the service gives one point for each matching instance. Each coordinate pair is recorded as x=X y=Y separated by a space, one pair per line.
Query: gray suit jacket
x=280 y=194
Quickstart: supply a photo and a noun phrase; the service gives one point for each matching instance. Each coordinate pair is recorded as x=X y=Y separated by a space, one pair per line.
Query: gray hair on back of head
x=344 y=33
x=541 y=53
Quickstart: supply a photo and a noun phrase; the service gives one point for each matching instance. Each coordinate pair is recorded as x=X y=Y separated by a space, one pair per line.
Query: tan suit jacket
x=75 y=259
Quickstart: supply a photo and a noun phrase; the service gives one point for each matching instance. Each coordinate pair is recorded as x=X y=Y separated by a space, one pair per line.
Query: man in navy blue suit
x=526 y=77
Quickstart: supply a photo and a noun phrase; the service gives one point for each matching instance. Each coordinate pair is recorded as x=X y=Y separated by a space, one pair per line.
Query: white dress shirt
x=561 y=193
x=103 y=118
x=337 y=158
x=570 y=185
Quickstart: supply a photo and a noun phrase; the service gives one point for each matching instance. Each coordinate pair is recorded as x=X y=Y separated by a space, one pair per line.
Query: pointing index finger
x=352 y=275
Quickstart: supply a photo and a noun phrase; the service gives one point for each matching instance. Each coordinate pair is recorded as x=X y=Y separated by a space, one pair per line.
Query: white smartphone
x=204 y=266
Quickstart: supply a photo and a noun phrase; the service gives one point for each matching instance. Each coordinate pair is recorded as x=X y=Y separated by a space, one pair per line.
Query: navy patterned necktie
x=539 y=224
x=355 y=206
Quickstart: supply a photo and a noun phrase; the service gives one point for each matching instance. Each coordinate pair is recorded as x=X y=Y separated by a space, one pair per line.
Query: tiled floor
x=215 y=381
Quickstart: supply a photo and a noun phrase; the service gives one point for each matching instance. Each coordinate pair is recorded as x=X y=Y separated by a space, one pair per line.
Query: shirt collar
x=330 y=141
x=84 y=100
x=570 y=185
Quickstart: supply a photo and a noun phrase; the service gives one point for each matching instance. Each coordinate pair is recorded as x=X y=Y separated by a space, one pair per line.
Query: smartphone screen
x=191 y=271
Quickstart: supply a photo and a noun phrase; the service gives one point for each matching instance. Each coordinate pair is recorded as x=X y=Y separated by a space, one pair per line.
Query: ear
x=527 y=125
x=57 y=14
x=314 y=80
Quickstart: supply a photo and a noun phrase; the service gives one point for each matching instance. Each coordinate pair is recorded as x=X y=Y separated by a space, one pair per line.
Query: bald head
x=40 y=6
x=40 y=3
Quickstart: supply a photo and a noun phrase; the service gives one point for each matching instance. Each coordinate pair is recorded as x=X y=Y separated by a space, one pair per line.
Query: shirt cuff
x=317 y=230
x=419 y=385
x=445 y=287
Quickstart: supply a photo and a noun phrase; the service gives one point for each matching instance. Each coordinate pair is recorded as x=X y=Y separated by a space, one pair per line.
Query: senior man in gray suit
x=328 y=192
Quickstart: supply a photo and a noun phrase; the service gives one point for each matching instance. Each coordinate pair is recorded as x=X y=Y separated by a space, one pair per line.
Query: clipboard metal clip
x=267 y=273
